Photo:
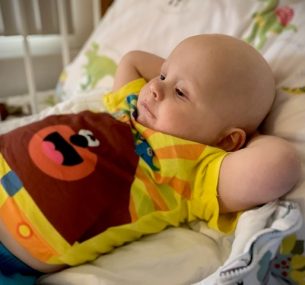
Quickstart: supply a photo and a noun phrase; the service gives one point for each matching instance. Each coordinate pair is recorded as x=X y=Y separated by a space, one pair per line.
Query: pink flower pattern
x=284 y=15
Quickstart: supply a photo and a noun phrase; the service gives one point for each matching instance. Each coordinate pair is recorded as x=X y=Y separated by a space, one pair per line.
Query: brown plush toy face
x=63 y=154
x=77 y=168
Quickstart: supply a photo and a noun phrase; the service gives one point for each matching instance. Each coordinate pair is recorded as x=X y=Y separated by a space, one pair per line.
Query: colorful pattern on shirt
x=175 y=173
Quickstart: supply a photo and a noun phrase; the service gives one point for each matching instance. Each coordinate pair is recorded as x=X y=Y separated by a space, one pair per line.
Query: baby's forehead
x=182 y=55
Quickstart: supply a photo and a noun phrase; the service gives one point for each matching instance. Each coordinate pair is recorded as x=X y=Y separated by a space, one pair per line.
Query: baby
x=216 y=90
x=181 y=145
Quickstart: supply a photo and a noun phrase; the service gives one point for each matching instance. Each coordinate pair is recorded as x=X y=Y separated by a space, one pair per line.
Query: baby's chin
x=143 y=121
x=143 y=117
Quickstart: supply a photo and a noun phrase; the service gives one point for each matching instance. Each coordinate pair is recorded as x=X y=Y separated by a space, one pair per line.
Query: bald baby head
x=213 y=89
x=235 y=76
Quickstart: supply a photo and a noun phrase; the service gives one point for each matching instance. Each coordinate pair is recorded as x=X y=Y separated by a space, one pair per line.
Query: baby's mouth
x=147 y=110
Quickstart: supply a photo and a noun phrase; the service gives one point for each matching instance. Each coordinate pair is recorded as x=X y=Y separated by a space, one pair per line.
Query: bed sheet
x=199 y=256
x=174 y=256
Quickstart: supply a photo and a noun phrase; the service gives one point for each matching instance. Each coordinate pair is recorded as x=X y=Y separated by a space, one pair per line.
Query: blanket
x=257 y=238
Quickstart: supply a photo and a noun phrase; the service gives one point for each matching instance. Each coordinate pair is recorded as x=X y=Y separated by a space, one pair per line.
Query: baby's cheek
x=170 y=125
x=143 y=92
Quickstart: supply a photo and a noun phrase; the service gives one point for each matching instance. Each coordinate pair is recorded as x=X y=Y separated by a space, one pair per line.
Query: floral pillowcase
x=157 y=26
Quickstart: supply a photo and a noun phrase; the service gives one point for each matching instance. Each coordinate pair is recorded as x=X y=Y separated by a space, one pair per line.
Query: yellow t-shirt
x=178 y=181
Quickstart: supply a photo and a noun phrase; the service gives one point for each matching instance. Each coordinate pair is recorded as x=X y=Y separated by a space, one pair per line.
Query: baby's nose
x=157 y=91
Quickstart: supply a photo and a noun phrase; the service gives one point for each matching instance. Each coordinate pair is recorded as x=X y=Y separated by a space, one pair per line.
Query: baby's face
x=180 y=100
x=207 y=87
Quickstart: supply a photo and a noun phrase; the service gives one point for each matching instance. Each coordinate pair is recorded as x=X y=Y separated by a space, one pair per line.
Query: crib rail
x=23 y=30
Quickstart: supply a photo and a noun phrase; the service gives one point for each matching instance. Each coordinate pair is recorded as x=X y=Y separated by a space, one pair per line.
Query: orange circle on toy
x=53 y=153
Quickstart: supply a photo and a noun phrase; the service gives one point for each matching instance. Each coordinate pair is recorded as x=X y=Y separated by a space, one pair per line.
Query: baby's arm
x=136 y=64
x=259 y=173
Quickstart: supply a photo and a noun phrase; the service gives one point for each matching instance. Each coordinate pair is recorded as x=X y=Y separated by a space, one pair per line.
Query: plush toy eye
x=91 y=139
x=85 y=138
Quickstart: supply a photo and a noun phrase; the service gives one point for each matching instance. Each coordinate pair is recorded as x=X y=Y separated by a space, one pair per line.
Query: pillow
x=158 y=26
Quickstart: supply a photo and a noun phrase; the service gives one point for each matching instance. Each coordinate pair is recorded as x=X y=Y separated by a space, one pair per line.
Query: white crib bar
x=37 y=15
x=63 y=31
x=21 y=24
x=96 y=5
x=1 y=22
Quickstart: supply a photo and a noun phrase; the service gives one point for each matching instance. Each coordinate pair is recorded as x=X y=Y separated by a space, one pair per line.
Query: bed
x=268 y=244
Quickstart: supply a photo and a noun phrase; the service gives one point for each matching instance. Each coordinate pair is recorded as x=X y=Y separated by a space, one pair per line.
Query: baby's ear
x=232 y=140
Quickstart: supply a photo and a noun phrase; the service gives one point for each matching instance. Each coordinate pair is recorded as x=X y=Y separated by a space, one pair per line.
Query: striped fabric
x=176 y=179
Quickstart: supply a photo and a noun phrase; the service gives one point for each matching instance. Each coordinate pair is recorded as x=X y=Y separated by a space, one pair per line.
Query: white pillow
x=158 y=26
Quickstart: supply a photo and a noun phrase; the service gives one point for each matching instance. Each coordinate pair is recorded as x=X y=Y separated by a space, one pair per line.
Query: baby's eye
x=179 y=92
x=162 y=77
